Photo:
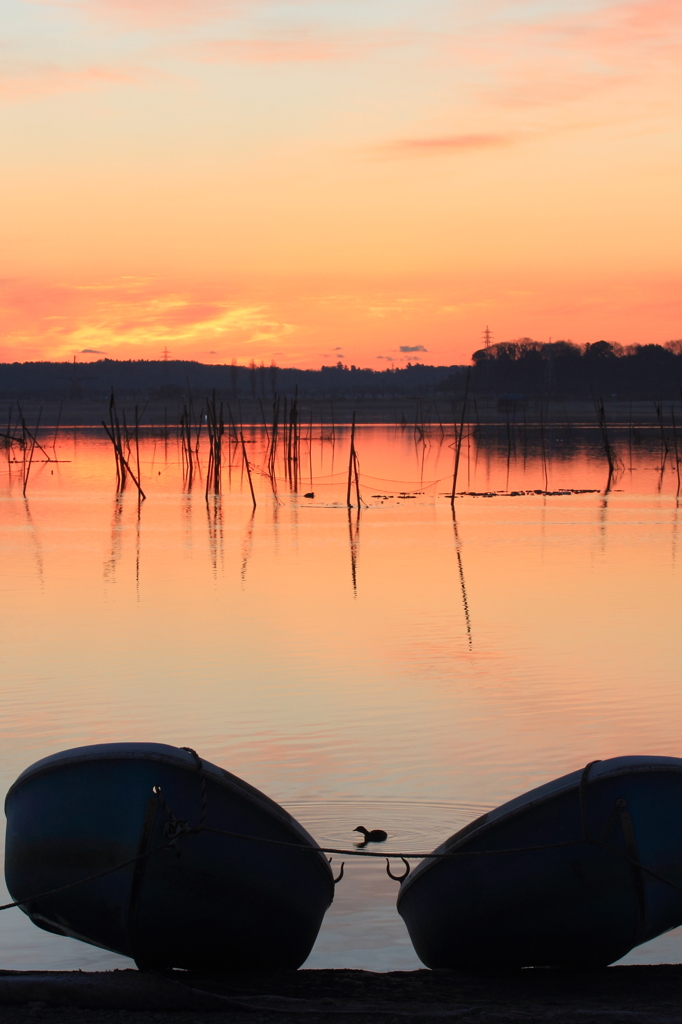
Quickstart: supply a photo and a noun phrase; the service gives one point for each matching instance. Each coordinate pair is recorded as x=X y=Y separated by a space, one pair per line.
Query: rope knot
x=174 y=829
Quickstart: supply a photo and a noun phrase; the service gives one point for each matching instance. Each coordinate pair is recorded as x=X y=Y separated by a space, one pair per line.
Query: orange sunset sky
x=304 y=181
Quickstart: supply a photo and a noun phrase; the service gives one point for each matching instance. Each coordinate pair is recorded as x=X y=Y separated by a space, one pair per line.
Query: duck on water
x=376 y=835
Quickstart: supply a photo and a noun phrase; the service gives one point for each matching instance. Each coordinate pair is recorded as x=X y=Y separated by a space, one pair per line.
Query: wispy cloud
x=619 y=26
x=155 y=12
x=25 y=81
x=292 y=47
x=130 y=319
x=565 y=59
x=270 y=51
x=440 y=144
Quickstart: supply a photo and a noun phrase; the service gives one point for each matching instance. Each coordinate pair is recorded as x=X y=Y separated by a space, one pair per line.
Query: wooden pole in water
x=608 y=450
x=112 y=437
x=56 y=429
x=272 y=459
x=440 y=418
x=137 y=441
x=211 y=449
x=677 y=457
x=33 y=448
x=544 y=452
x=351 y=462
x=458 y=440
x=356 y=473
x=265 y=423
x=659 y=417
x=248 y=470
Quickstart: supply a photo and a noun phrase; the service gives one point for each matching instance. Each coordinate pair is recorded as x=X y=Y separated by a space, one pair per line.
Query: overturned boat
x=574 y=873
x=187 y=895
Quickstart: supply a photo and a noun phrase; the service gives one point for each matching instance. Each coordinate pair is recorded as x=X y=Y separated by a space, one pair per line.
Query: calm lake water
x=399 y=669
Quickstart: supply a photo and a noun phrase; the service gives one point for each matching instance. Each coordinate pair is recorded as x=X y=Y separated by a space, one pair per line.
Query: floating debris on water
x=520 y=494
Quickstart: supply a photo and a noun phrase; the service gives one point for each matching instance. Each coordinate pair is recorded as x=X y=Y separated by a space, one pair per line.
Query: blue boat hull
x=581 y=899
x=210 y=902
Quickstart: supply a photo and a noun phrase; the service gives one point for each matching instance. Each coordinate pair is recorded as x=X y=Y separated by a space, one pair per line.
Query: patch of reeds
x=273 y=439
x=120 y=438
x=30 y=442
x=187 y=447
x=215 y=427
x=292 y=443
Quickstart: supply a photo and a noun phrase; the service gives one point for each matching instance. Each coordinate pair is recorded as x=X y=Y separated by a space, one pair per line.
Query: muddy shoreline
x=632 y=994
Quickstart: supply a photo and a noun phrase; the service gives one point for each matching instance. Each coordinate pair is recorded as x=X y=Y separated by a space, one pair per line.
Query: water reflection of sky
x=397 y=664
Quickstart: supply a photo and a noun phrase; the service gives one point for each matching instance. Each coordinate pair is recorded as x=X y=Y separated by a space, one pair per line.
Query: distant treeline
x=561 y=369
x=179 y=380
x=509 y=370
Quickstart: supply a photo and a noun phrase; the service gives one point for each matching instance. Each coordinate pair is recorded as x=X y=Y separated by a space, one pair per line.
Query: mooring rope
x=390 y=853
x=351 y=853
x=202 y=780
x=176 y=829
x=89 y=878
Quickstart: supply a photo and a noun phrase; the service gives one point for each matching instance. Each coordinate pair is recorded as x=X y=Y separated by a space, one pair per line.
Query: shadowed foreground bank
x=633 y=994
